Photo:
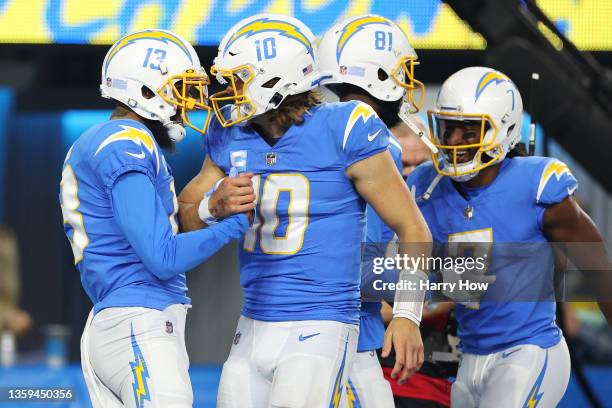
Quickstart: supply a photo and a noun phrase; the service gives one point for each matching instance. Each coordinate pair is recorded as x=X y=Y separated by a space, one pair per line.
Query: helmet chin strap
x=463 y=177
x=176 y=131
x=404 y=114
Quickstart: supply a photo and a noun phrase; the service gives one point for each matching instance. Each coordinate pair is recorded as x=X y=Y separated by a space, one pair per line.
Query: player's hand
x=404 y=337
x=234 y=195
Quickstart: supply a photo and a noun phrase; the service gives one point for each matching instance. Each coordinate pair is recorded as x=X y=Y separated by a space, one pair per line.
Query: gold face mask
x=415 y=90
x=238 y=79
x=438 y=128
x=188 y=92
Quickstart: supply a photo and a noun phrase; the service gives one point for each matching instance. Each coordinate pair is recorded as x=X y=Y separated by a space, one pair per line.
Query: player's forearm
x=189 y=219
x=190 y=198
x=414 y=243
x=414 y=238
x=178 y=254
x=142 y=218
x=583 y=244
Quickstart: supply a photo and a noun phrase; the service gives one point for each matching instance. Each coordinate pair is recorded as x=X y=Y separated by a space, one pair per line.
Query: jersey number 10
x=267 y=219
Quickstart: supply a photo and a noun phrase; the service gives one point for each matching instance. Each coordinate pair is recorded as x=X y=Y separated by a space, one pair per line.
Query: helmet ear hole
x=146 y=92
x=276 y=99
x=382 y=75
x=510 y=129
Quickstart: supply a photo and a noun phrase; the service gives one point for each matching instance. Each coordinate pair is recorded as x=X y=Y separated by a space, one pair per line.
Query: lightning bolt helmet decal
x=157 y=35
x=266 y=24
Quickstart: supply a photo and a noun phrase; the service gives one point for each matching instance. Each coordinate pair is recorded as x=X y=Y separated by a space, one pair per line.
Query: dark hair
x=292 y=108
x=387 y=111
x=519 y=150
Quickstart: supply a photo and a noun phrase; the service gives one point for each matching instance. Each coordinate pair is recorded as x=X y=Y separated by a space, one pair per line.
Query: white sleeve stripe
x=347 y=131
x=363 y=111
x=553 y=168
x=395 y=143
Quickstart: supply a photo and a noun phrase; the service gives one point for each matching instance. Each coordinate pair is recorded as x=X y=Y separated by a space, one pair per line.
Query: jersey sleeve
x=556 y=182
x=140 y=213
x=395 y=148
x=126 y=149
x=364 y=134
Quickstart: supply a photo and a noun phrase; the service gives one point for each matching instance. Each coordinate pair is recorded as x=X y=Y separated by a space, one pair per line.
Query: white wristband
x=408 y=301
x=204 y=212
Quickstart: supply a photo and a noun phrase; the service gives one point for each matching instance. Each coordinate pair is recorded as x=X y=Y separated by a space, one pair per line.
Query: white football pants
x=302 y=364
x=521 y=376
x=366 y=386
x=136 y=357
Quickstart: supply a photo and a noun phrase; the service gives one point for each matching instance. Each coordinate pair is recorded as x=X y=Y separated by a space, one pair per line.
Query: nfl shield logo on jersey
x=271 y=159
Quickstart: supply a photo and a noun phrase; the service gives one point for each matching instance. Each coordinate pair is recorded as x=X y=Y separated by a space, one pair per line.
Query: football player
x=513 y=352
x=368 y=58
x=313 y=166
x=119 y=206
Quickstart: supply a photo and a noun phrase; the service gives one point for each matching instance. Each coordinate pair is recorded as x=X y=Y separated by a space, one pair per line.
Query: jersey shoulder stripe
x=134 y=134
x=360 y=110
x=556 y=179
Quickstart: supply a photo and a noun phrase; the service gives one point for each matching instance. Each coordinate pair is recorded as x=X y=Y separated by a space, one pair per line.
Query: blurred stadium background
x=50 y=57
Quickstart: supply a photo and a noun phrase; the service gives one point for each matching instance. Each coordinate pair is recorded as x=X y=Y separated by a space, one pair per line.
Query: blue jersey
x=300 y=259
x=111 y=271
x=119 y=207
x=509 y=210
x=371 y=325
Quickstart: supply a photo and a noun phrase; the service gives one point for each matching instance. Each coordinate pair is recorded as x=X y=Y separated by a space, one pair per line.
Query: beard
x=161 y=135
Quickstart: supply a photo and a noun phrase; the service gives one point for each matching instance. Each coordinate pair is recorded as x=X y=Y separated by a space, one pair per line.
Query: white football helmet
x=487 y=97
x=265 y=58
x=155 y=73
x=373 y=53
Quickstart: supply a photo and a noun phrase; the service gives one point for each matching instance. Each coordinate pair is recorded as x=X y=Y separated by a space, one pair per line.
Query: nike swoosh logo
x=302 y=337
x=372 y=137
x=138 y=156
x=506 y=354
